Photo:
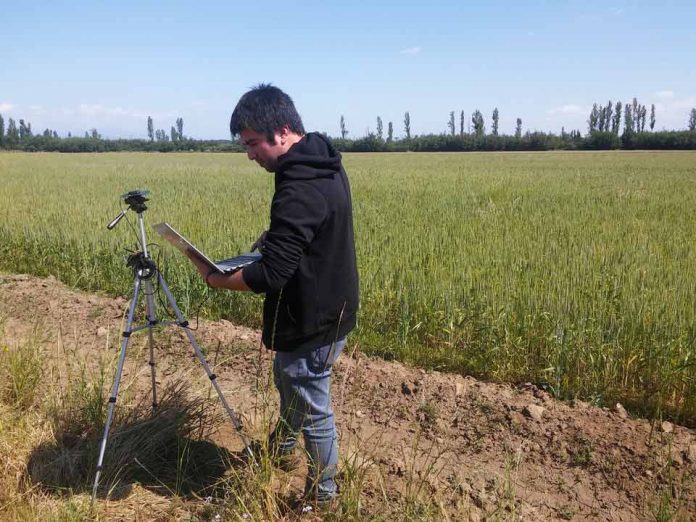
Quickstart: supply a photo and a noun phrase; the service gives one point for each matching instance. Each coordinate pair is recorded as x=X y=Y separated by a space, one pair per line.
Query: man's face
x=258 y=148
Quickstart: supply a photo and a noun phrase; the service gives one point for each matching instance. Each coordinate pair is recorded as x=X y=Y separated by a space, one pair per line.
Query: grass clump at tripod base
x=164 y=449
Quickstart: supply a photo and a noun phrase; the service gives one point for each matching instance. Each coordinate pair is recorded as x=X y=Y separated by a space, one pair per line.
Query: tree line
x=610 y=126
x=619 y=126
x=22 y=137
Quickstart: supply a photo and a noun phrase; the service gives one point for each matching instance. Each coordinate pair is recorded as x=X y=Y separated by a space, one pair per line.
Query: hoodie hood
x=312 y=157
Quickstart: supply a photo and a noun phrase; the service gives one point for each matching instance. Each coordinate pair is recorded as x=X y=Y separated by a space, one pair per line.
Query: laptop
x=226 y=266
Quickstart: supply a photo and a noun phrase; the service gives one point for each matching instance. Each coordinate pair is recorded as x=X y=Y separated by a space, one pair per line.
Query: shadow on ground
x=165 y=450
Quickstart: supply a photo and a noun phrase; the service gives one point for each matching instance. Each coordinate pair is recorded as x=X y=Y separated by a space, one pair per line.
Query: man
x=308 y=274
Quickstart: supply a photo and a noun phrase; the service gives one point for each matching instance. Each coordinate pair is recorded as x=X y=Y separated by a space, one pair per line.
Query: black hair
x=265 y=109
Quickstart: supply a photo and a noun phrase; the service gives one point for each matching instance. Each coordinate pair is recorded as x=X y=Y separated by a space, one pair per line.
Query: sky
x=76 y=65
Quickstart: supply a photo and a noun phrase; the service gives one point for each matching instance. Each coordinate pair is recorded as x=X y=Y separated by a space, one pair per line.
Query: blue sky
x=74 y=65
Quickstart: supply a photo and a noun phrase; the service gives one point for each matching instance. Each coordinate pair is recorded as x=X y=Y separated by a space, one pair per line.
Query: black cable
x=158 y=289
x=200 y=307
x=135 y=230
x=164 y=305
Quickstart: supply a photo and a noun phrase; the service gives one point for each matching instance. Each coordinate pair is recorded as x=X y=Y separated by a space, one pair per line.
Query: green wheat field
x=575 y=271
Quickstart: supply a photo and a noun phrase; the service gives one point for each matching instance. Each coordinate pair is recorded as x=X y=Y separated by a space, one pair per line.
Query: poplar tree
x=593 y=120
x=494 y=128
x=173 y=133
x=12 y=133
x=643 y=116
x=518 y=128
x=407 y=125
x=390 y=132
x=477 y=122
x=344 y=132
x=652 y=117
x=608 y=113
x=461 y=123
x=23 y=131
x=180 y=128
x=150 y=129
x=450 y=123
x=380 y=128
x=616 y=124
x=692 y=120
x=628 y=119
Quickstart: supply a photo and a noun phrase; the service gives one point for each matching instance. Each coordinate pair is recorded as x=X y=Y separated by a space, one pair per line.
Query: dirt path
x=481 y=450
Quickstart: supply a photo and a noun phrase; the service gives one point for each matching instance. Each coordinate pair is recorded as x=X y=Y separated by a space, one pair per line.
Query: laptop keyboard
x=238 y=262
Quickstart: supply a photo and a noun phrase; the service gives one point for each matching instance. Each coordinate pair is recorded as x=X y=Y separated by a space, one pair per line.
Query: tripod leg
x=114 y=388
x=151 y=322
x=213 y=379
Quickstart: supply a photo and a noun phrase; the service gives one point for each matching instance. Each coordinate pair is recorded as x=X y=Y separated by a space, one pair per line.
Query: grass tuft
x=20 y=373
x=165 y=450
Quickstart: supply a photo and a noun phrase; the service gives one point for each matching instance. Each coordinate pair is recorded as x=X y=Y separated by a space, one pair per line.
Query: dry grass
x=159 y=465
x=165 y=450
x=21 y=369
x=49 y=435
x=165 y=465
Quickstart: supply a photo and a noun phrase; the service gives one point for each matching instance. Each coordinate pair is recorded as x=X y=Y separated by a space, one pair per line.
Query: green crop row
x=574 y=270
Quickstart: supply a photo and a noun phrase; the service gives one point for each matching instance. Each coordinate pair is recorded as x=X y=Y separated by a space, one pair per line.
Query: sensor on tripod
x=135 y=199
x=145 y=271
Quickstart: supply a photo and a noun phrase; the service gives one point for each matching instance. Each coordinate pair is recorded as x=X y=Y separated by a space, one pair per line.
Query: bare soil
x=476 y=450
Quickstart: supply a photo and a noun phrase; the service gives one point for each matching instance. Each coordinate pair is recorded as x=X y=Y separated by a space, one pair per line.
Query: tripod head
x=139 y=260
x=135 y=199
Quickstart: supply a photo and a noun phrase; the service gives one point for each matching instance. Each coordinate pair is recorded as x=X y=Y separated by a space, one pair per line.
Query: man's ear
x=283 y=133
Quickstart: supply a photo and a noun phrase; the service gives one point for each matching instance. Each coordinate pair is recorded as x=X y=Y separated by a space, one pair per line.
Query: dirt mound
x=482 y=450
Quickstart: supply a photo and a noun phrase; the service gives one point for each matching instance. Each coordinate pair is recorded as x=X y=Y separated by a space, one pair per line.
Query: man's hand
x=215 y=279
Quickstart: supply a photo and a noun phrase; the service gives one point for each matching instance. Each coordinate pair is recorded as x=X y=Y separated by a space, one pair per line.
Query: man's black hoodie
x=308 y=270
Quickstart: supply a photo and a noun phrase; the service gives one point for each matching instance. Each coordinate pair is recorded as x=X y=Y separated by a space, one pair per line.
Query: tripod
x=145 y=270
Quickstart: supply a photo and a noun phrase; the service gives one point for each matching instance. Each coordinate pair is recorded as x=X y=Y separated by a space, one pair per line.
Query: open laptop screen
x=189 y=250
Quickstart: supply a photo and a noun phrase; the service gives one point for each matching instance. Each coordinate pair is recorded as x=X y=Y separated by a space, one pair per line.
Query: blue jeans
x=303 y=379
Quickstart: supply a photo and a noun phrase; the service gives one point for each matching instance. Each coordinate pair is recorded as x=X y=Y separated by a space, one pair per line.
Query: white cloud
x=410 y=50
x=102 y=111
x=672 y=112
x=6 y=107
x=567 y=109
x=684 y=103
